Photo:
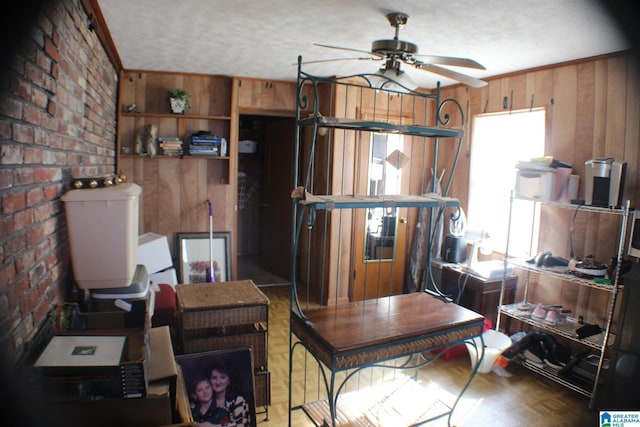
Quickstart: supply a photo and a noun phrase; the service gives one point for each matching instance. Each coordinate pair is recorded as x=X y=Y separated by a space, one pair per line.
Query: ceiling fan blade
x=337 y=59
x=348 y=49
x=462 y=78
x=449 y=60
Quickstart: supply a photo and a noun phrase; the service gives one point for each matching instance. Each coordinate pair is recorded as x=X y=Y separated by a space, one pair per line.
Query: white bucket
x=494 y=344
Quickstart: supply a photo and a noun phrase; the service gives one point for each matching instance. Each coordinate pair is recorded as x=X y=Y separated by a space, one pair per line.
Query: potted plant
x=179 y=100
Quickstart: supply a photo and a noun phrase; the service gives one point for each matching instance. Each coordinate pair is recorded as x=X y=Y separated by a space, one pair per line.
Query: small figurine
x=132 y=108
x=151 y=136
x=137 y=146
x=151 y=147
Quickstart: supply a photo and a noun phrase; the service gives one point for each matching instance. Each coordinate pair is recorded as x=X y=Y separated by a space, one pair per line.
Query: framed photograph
x=220 y=386
x=196 y=253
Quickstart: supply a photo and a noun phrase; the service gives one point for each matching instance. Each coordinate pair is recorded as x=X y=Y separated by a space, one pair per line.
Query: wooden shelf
x=176 y=116
x=160 y=156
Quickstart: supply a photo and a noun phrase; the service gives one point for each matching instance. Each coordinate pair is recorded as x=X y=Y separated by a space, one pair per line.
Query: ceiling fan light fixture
x=393 y=79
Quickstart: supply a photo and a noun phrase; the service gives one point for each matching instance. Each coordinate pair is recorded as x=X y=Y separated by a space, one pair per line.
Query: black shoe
x=535 y=354
x=559 y=358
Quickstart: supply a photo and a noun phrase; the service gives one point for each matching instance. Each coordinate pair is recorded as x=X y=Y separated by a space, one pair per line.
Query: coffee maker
x=604 y=182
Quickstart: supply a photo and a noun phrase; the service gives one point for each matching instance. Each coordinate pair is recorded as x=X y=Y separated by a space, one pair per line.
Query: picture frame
x=193 y=256
x=236 y=364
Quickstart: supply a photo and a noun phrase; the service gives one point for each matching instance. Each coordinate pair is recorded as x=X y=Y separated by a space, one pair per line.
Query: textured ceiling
x=263 y=38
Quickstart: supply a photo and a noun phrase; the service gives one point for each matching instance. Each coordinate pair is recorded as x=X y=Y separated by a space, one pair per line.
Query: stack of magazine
x=170 y=146
x=205 y=145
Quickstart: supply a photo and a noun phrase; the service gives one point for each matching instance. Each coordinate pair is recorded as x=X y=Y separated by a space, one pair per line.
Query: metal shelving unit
x=567 y=329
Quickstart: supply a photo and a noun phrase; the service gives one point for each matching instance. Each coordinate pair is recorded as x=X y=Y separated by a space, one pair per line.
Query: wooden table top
x=392 y=326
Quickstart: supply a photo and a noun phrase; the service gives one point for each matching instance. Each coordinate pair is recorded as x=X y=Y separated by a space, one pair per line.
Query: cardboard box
x=158 y=408
x=154 y=253
x=162 y=363
x=151 y=411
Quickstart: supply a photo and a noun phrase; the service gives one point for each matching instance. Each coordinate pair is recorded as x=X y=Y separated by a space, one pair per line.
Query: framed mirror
x=385 y=162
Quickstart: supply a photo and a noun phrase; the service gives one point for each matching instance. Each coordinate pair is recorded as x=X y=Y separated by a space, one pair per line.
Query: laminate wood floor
x=522 y=399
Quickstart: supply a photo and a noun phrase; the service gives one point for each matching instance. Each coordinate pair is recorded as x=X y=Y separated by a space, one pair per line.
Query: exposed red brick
x=11 y=154
x=34 y=196
x=21 y=88
x=11 y=108
x=18 y=289
x=51 y=50
x=22 y=133
x=40 y=251
x=12 y=202
x=22 y=219
x=42 y=212
x=6 y=179
x=31 y=115
x=32 y=155
x=23 y=176
x=16 y=243
x=7 y=226
x=46 y=174
x=51 y=107
x=29 y=301
x=5 y=129
x=39 y=98
x=60 y=68
x=51 y=192
x=25 y=262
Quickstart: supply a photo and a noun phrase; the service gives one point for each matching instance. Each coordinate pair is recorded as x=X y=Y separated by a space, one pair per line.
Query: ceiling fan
x=394 y=52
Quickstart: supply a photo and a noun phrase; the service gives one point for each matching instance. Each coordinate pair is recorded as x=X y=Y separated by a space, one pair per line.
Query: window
x=499 y=142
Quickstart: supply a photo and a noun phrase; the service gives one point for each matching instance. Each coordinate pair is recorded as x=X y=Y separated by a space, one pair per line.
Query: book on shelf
x=170 y=146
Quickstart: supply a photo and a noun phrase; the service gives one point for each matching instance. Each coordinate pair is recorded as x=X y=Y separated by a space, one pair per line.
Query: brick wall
x=57 y=122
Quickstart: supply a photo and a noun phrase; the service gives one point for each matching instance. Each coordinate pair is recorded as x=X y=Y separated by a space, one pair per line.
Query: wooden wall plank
x=616 y=107
x=168 y=196
x=563 y=114
x=632 y=134
x=150 y=194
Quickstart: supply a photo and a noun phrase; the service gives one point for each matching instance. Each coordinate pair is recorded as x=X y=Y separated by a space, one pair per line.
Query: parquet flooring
x=522 y=399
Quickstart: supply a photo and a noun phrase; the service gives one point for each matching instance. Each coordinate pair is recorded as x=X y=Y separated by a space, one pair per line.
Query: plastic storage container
x=494 y=344
x=110 y=299
x=536 y=184
x=103 y=235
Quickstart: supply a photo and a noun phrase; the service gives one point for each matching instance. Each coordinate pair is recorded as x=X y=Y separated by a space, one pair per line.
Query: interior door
x=380 y=233
x=276 y=202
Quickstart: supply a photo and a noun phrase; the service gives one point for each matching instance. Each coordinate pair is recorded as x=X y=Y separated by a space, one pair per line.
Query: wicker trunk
x=227 y=315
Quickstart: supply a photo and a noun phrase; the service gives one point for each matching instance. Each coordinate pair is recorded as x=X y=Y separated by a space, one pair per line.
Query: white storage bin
x=536 y=184
x=153 y=252
x=247 y=146
x=494 y=344
x=168 y=277
x=103 y=235
x=112 y=299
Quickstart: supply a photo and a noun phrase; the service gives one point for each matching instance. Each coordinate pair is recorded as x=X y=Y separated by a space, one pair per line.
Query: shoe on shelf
x=539 y=312
x=552 y=318
x=535 y=354
x=556 y=355
x=559 y=358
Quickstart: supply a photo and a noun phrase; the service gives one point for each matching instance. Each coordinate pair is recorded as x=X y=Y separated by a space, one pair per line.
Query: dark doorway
x=265 y=165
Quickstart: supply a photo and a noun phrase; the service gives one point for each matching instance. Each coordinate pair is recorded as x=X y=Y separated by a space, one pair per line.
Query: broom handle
x=212 y=273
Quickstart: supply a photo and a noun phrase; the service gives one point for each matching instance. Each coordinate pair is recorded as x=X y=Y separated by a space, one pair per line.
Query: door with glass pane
x=380 y=233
